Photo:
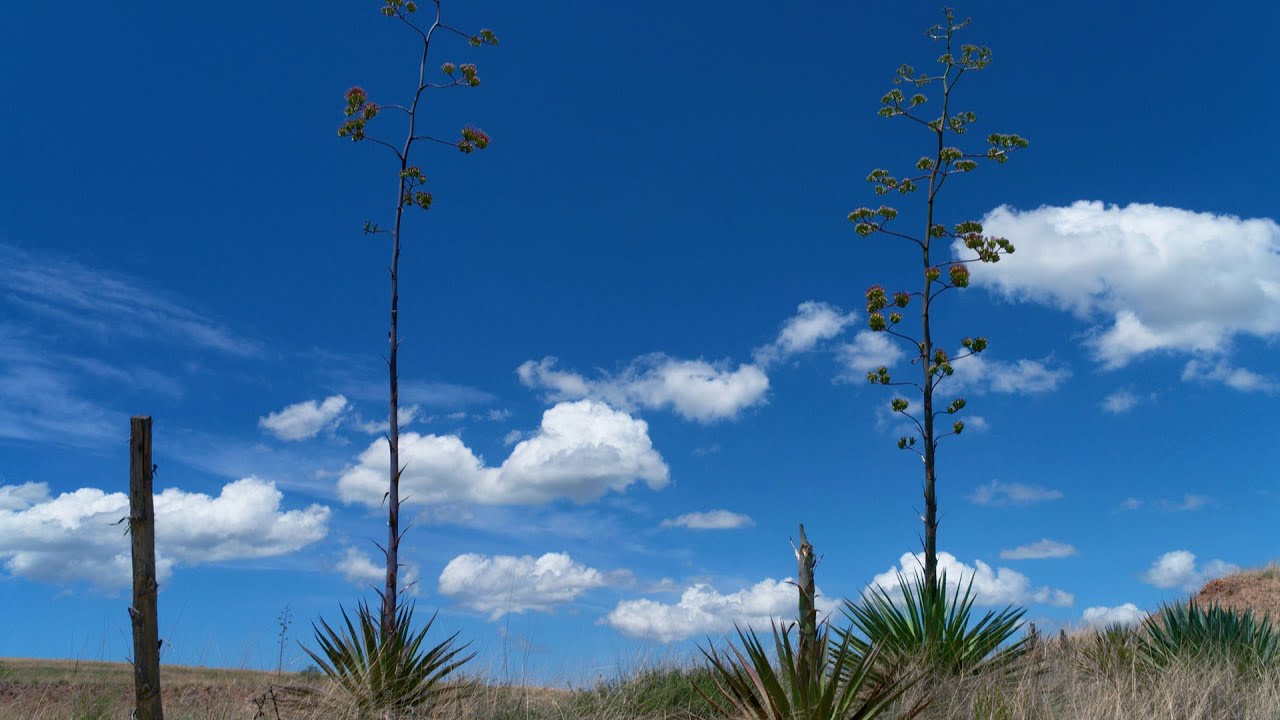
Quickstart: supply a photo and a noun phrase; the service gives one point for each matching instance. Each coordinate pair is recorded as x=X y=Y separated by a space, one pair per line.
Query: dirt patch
x=1256 y=590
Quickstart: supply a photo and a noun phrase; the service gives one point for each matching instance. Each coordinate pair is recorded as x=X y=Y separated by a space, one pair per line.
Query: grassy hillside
x=1082 y=676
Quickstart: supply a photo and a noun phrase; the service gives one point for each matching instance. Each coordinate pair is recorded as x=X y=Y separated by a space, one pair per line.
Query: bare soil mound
x=1256 y=590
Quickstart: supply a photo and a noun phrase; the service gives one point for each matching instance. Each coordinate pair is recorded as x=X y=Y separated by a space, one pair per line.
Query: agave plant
x=1214 y=632
x=391 y=674
x=936 y=627
x=835 y=683
x=1112 y=651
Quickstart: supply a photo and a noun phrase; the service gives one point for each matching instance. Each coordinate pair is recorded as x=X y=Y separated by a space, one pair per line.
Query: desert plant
x=814 y=680
x=1212 y=633
x=935 y=627
x=284 y=620
x=360 y=112
x=937 y=275
x=1111 y=651
x=841 y=685
x=387 y=674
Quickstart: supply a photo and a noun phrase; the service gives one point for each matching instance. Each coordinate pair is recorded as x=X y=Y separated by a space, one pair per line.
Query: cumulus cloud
x=702 y=610
x=980 y=374
x=1039 y=551
x=694 y=389
x=813 y=323
x=1178 y=569
x=1150 y=278
x=997 y=493
x=581 y=451
x=699 y=390
x=502 y=584
x=866 y=352
x=710 y=520
x=1100 y=616
x=360 y=569
x=991 y=586
x=74 y=537
x=1120 y=401
x=305 y=419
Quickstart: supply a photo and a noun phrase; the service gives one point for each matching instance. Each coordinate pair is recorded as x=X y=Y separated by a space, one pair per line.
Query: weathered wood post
x=142 y=614
x=809 y=650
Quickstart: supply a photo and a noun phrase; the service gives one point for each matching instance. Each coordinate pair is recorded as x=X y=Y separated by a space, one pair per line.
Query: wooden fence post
x=142 y=614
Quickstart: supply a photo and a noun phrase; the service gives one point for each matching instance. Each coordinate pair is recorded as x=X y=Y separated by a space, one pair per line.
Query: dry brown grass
x=80 y=690
x=1066 y=683
x=1056 y=682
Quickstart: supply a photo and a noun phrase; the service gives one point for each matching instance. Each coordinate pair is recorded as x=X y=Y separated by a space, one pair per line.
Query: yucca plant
x=936 y=627
x=1194 y=632
x=837 y=683
x=390 y=674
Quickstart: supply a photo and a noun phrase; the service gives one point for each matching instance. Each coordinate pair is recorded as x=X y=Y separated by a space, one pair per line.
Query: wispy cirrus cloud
x=999 y=493
x=108 y=303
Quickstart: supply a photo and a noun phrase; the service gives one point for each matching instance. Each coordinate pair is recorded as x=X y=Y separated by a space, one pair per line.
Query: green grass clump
x=671 y=691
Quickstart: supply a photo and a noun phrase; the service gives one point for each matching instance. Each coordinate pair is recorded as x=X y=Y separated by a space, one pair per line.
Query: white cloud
x=107 y=304
x=998 y=494
x=41 y=394
x=504 y=584
x=979 y=374
x=1235 y=378
x=867 y=352
x=710 y=520
x=998 y=586
x=702 y=610
x=19 y=497
x=1039 y=551
x=1165 y=279
x=359 y=569
x=581 y=451
x=1100 y=616
x=694 y=389
x=406 y=415
x=1120 y=401
x=1178 y=569
x=305 y=419
x=813 y=323
x=1188 y=503
x=74 y=536
x=1131 y=503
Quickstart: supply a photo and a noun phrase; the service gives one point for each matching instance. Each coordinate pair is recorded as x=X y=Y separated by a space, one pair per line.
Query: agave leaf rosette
x=936 y=627
x=387 y=674
x=837 y=683
x=1196 y=632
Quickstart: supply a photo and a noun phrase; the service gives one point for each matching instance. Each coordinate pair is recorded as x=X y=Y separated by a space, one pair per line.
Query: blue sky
x=630 y=324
